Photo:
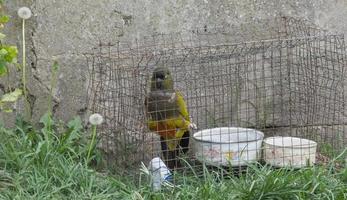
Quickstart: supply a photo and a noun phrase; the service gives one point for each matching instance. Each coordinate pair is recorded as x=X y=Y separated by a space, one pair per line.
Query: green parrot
x=168 y=116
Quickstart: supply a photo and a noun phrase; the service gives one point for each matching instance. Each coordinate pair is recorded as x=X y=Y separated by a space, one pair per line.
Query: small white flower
x=96 y=119
x=24 y=12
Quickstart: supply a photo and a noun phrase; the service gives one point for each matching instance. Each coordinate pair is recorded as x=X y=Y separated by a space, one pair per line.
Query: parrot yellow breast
x=169 y=126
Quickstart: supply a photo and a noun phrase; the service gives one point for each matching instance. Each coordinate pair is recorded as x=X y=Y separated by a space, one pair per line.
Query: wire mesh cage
x=219 y=92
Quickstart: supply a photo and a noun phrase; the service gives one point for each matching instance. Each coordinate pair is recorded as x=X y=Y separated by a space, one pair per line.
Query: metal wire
x=283 y=76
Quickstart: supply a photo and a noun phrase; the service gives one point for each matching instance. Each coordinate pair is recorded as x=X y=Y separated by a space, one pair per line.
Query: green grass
x=44 y=164
x=258 y=182
x=50 y=163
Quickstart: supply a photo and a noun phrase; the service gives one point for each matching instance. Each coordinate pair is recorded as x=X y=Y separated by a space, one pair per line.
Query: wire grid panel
x=281 y=77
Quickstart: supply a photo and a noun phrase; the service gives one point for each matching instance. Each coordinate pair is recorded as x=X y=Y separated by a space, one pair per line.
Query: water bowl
x=289 y=152
x=227 y=146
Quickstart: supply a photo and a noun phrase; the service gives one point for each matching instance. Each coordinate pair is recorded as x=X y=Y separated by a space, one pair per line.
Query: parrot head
x=161 y=79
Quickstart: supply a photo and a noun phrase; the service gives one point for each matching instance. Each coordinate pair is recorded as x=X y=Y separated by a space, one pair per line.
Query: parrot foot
x=193 y=126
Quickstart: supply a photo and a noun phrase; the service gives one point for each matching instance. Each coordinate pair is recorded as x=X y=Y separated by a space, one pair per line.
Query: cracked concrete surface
x=64 y=30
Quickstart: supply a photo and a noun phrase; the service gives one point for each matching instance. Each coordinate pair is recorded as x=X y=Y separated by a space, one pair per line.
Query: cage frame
x=132 y=54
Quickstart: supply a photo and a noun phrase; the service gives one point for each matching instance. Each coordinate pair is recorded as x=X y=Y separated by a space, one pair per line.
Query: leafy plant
x=9 y=98
x=8 y=53
x=8 y=56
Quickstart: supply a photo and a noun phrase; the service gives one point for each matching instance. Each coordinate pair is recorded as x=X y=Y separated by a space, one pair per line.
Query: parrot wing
x=182 y=106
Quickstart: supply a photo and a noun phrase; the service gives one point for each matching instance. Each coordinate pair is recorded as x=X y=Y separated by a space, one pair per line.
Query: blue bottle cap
x=168 y=178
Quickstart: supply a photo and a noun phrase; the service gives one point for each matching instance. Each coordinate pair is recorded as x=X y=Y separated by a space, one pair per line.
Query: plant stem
x=91 y=142
x=23 y=60
x=24 y=70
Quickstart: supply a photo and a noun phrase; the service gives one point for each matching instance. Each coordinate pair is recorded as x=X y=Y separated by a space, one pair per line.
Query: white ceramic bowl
x=289 y=151
x=227 y=146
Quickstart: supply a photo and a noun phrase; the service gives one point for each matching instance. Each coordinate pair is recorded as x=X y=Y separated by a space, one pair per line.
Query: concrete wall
x=65 y=29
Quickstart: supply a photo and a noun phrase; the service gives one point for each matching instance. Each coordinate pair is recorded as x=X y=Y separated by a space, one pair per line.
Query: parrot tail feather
x=171 y=158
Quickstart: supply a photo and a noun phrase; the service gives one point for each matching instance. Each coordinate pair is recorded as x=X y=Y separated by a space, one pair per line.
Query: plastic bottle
x=160 y=173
